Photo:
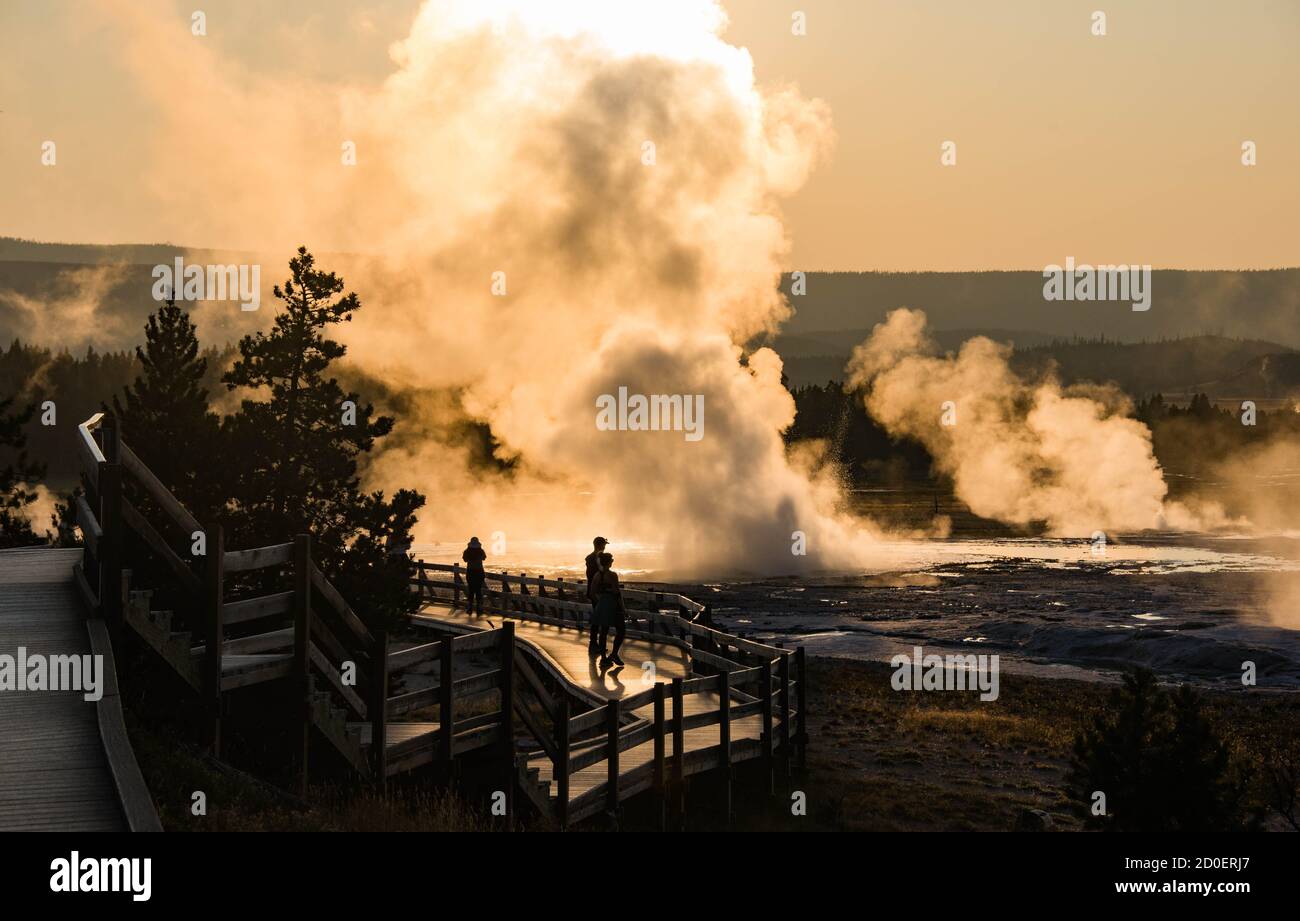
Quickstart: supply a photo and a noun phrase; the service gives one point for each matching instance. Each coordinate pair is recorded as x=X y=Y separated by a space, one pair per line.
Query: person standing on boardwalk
x=474 y=556
x=593 y=567
x=610 y=609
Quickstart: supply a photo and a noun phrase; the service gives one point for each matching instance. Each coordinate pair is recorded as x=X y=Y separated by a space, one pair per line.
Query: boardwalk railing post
x=801 y=688
x=110 y=438
x=611 y=757
x=455 y=585
x=445 y=715
x=110 y=543
x=784 y=671
x=724 y=735
x=214 y=634
x=562 y=762
x=508 y=716
x=765 y=691
x=679 y=754
x=378 y=705
x=660 y=778
x=301 y=653
x=110 y=522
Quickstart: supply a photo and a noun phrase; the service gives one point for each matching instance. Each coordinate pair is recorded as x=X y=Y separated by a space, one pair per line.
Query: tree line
x=1183 y=435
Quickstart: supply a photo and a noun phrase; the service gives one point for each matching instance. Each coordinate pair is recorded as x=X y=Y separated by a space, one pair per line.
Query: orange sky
x=1123 y=148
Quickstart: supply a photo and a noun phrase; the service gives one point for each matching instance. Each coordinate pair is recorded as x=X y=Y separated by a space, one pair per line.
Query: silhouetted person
x=474 y=575
x=593 y=567
x=610 y=610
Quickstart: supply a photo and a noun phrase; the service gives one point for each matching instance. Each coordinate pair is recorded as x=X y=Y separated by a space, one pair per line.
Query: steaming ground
x=1067 y=620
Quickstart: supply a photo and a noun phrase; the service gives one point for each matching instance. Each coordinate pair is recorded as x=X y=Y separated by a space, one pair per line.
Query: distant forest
x=1247 y=304
x=79 y=386
x=1219 y=365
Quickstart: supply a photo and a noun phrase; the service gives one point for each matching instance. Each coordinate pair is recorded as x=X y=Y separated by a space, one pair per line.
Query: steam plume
x=1018 y=451
x=620 y=167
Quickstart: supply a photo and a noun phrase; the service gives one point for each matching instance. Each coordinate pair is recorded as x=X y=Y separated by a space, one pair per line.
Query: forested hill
x=1217 y=365
x=1245 y=305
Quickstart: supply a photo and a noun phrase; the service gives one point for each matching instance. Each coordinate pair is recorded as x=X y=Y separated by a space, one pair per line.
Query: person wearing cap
x=474 y=556
x=593 y=567
x=610 y=610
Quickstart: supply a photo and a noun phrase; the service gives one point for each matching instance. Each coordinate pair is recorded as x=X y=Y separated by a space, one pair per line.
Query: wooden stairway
x=305 y=640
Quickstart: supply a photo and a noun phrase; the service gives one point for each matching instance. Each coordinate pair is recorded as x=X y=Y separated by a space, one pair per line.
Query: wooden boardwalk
x=566 y=649
x=575 y=738
x=581 y=772
x=54 y=773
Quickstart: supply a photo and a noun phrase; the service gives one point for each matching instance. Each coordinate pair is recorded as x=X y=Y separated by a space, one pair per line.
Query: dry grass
x=886 y=760
x=239 y=802
x=878 y=760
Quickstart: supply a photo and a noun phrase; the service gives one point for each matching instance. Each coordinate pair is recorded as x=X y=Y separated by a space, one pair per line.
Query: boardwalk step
x=270 y=642
x=400 y=736
x=331 y=723
x=154 y=627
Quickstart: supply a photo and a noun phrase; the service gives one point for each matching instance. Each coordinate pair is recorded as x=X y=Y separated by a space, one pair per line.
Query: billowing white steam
x=620 y=169
x=1018 y=451
x=614 y=170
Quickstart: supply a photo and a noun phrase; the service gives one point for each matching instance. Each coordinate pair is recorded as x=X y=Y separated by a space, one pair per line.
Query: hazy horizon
x=814 y=270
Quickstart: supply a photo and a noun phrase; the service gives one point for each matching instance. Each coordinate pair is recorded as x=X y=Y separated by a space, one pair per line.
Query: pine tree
x=1159 y=762
x=16 y=477
x=164 y=413
x=298 y=449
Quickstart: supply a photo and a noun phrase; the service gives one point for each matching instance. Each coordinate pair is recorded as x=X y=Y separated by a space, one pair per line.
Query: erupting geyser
x=554 y=201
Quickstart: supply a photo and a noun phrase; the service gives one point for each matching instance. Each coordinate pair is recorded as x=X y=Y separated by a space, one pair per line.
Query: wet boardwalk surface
x=567 y=649
x=54 y=775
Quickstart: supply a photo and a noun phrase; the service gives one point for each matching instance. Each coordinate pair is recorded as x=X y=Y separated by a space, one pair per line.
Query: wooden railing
x=733 y=665
x=104 y=463
x=328 y=638
x=561 y=590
